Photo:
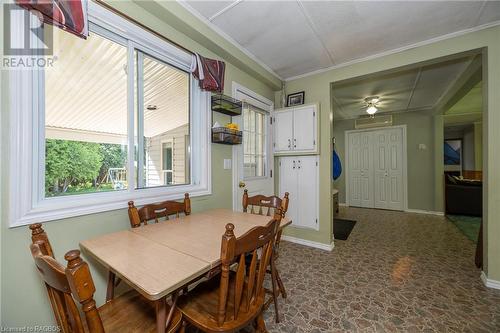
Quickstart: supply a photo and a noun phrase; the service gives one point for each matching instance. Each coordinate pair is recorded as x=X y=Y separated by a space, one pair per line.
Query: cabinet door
x=307 y=187
x=283 y=134
x=304 y=128
x=288 y=183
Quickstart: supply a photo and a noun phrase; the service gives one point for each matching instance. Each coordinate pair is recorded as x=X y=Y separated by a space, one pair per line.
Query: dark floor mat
x=342 y=228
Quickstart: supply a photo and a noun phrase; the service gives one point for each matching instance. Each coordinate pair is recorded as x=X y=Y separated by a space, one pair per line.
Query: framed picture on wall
x=453 y=155
x=295 y=99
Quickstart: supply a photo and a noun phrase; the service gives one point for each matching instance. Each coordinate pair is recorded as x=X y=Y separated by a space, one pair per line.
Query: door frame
x=405 y=161
x=266 y=105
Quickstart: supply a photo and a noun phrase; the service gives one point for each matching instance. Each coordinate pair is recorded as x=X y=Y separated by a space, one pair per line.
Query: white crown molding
x=397 y=50
x=316 y=245
x=494 y=284
x=221 y=33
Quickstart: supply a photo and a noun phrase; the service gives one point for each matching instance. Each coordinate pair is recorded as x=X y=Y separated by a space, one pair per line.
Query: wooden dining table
x=159 y=259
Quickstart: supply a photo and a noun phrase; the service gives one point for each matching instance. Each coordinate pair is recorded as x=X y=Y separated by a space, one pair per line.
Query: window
x=85 y=116
x=167 y=163
x=254 y=141
x=117 y=118
x=163 y=110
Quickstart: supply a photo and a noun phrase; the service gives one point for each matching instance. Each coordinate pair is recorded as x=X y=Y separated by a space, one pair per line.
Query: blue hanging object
x=337 y=166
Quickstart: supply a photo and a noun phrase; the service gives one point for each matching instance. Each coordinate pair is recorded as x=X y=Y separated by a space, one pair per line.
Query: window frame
x=27 y=134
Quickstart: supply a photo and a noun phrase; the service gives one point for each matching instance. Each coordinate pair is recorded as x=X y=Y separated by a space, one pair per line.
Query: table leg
x=161 y=315
x=110 y=292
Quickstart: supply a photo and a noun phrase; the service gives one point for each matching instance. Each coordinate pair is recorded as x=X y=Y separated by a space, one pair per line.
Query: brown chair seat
x=200 y=304
x=131 y=312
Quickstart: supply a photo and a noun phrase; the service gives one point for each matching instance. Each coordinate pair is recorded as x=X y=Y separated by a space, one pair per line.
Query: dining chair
x=236 y=299
x=265 y=205
x=156 y=211
x=130 y=312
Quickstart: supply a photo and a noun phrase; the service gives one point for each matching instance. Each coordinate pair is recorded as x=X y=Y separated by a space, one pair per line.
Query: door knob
x=242 y=184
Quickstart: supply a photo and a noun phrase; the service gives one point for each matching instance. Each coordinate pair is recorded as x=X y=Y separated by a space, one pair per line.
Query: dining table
x=160 y=259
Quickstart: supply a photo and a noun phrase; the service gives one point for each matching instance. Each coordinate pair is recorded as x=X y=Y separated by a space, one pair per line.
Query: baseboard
x=494 y=284
x=421 y=211
x=343 y=204
x=309 y=243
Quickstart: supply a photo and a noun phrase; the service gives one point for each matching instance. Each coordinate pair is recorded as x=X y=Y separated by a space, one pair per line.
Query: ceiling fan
x=371 y=104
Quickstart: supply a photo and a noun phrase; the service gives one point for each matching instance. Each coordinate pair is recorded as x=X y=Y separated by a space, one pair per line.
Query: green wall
x=317 y=89
x=23 y=297
x=419 y=129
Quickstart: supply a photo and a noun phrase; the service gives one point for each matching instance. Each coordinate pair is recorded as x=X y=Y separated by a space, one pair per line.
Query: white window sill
x=55 y=209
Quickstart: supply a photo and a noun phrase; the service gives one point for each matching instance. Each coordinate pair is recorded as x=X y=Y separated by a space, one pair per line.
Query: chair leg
x=110 y=292
x=280 y=283
x=275 y=292
x=183 y=327
x=261 y=325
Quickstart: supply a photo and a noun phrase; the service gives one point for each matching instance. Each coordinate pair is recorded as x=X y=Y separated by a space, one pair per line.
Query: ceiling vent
x=370 y=122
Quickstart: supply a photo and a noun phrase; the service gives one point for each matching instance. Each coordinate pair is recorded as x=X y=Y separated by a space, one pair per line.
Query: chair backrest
x=64 y=285
x=248 y=285
x=38 y=235
x=153 y=212
x=262 y=205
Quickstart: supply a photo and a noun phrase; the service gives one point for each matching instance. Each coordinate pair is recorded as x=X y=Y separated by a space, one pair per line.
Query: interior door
x=307 y=192
x=253 y=158
x=394 y=161
x=283 y=128
x=360 y=171
x=380 y=159
x=304 y=128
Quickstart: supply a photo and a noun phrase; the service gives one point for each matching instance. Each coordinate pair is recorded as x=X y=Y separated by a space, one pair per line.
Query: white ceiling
x=414 y=89
x=297 y=37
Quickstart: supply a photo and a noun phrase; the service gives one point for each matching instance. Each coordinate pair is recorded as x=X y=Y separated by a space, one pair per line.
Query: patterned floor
x=397 y=272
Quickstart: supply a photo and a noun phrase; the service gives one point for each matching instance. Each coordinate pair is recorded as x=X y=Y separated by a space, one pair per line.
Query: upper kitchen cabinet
x=296 y=130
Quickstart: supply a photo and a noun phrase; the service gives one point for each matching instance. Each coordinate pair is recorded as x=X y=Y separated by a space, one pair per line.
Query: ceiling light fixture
x=371 y=104
x=371 y=110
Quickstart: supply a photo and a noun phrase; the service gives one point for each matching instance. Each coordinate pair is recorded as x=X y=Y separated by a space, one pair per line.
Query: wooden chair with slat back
x=129 y=312
x=264 y=205
x=237 y=299
x=154 y=212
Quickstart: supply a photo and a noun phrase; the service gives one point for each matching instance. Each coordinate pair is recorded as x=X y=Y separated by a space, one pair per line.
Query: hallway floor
x=397 y=272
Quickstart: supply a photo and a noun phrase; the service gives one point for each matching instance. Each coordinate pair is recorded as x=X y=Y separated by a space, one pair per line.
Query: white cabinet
x=296 y=130
x=298 y=175
x=283 y=130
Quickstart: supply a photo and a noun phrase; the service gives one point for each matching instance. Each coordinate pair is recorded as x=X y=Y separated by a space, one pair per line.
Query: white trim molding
x=494 y=284
x=27 y=201
x=422 y=211
x=316 y=245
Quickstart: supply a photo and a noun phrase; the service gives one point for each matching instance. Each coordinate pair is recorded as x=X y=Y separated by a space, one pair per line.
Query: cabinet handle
x=289 y=144
x=294 y=164
x=294 y=143
x=298 y=164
